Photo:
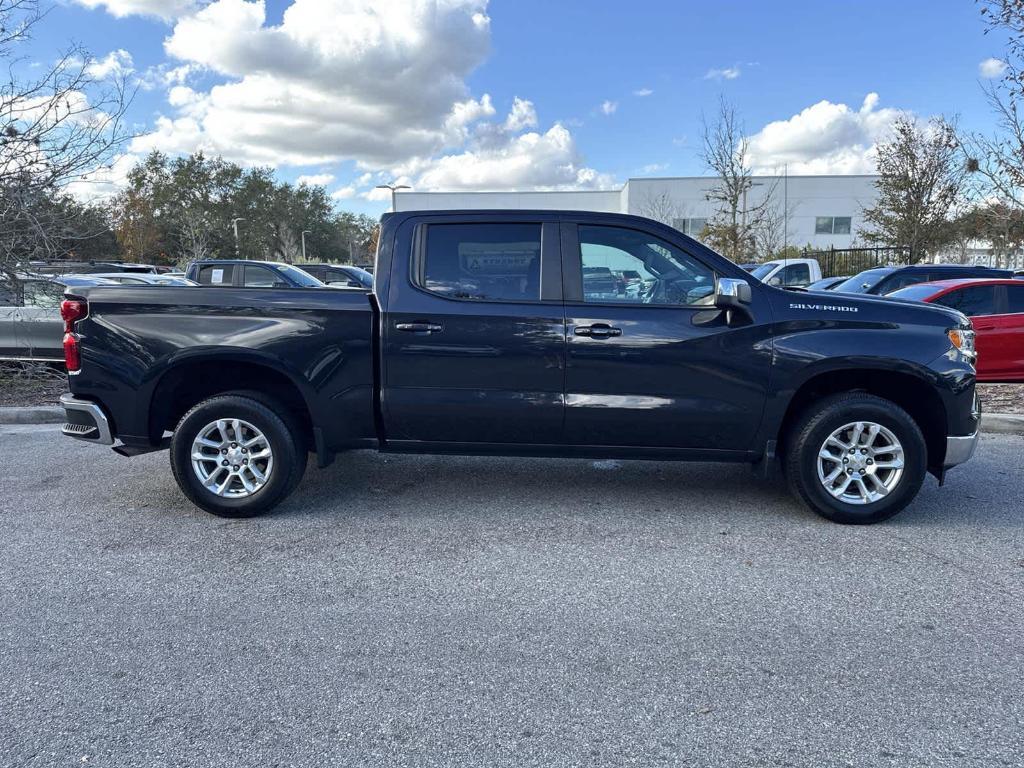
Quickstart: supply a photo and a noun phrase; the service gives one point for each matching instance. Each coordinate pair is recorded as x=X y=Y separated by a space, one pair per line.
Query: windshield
x=918 y=292
x=299 y=277
x=362 y=276
x=863 y=282
x=762 y=271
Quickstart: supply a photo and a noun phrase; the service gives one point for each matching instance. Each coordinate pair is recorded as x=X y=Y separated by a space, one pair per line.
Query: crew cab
x=243 y=273
x=482 y=334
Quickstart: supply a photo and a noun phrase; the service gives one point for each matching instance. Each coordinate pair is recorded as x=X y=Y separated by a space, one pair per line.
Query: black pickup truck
x=482 y=334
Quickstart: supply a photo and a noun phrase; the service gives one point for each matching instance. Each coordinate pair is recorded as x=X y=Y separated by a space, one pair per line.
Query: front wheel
x=856 y=458
x=234 y=456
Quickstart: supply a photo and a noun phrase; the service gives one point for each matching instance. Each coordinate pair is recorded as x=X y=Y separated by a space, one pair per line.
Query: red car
x=996 y=307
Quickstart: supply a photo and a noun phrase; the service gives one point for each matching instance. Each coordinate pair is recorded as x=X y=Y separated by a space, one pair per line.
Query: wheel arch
x=908 y=389
x=192 y=379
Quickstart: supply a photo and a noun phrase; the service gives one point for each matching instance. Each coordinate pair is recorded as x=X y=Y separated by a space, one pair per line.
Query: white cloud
x=380 y=84
x=344 y=193
x=654 y=168
x=824 y=138
x=163 y=9
x=532 y=160
x=991 y=68
x=726 y=73
x=337 y=79
x=105 y=181
x=609 y=107
x=115 y=64
x=522 y=116
x=641 y=92
x=316 y=179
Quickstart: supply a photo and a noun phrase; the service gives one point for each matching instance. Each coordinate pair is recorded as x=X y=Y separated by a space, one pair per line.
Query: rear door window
x=973 y=301
x=1015 y=299
x=483 y=262
x=216 y=274
x=43 y=295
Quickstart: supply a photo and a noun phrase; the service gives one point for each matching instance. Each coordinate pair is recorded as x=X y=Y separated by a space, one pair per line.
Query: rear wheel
x=856 y=458
x=234 y=456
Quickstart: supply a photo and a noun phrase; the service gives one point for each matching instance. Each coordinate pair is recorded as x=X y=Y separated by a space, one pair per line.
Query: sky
x=523 y=94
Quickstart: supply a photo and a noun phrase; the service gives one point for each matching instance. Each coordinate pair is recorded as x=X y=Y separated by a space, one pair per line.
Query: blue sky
x=352 y=92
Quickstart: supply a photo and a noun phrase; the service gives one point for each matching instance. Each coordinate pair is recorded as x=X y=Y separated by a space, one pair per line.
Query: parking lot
x=473 y=611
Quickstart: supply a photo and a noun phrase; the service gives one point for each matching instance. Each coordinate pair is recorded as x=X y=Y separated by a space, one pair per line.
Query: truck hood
x=877 y=307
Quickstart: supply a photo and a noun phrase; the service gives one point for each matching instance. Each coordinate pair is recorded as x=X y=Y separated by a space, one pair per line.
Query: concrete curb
x=992 y=423
x=32 y=414
x=1002 y=423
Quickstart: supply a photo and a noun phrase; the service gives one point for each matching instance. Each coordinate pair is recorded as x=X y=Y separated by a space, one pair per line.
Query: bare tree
x=195 y=238
x=661 y=207
x=920 y=180
x=726 y=153
x=63 y=126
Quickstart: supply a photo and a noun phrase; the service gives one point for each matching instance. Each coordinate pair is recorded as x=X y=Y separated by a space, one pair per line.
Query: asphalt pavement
x=421 y=611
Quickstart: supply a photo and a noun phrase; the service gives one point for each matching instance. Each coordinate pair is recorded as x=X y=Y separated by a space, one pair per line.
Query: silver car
x=30 y=324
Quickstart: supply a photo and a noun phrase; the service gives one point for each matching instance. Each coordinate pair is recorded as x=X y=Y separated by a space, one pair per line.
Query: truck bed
x=148 y=348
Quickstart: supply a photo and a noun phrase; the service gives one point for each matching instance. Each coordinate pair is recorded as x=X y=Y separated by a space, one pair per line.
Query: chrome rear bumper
x=85 y=421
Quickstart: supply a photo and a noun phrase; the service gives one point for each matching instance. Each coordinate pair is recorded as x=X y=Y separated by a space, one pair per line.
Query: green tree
x=920 y=180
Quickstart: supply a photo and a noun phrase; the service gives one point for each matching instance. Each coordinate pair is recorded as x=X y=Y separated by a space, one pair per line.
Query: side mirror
x=731 y=293
x=776 y=281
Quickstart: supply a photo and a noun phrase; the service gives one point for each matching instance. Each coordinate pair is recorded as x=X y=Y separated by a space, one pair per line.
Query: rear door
x=474 y=332
x=659 y=366
x=1010 y=332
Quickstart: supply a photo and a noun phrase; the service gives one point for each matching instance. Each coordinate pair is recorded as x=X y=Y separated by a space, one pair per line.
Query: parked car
x=996 y=308
x=339 y=275
x=31 y=328
x=240 y=273
x=827 y=283
x=86 y=267
x=788 y=273
x=882 y=280
x=139 y=278
x=458 y=349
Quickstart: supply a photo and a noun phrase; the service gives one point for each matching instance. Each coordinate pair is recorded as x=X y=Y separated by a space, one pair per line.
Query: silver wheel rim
x=860 y=463
x=232 y=458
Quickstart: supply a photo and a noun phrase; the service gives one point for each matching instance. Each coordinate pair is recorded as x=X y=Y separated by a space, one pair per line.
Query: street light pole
x=394 y=188
x=304 y=233
x=234 y=224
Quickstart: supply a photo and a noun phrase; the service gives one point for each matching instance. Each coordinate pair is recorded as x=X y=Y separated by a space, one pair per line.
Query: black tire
x=818 y=422
x=282 y=434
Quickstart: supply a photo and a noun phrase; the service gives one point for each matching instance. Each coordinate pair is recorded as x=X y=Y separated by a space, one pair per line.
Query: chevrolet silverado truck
x=482 y=334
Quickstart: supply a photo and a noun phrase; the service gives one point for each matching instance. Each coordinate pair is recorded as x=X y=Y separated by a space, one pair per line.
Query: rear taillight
x=72 y=310
x=72 y=361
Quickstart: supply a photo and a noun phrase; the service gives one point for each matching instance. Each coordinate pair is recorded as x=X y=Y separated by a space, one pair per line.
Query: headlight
x=963 y=339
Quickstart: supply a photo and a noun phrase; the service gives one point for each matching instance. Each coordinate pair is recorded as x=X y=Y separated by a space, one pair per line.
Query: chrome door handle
x=419 y=327
x=597 y=331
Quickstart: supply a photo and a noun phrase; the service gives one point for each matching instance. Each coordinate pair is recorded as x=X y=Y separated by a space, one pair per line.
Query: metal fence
x=837 y=262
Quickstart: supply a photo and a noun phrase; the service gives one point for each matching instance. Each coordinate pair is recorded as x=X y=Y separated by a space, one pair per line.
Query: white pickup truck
x=786 y=273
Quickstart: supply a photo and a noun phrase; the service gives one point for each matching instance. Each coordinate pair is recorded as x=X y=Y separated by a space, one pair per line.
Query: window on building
x=482 y=261
x=832 y=225
x=692 y=227
x=632 y=267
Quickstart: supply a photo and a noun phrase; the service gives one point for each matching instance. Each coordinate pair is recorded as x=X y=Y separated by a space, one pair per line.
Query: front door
x=652 y=362
x=474 y=334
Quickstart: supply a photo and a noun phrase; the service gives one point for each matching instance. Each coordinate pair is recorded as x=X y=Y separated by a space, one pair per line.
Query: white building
x=824 y=211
